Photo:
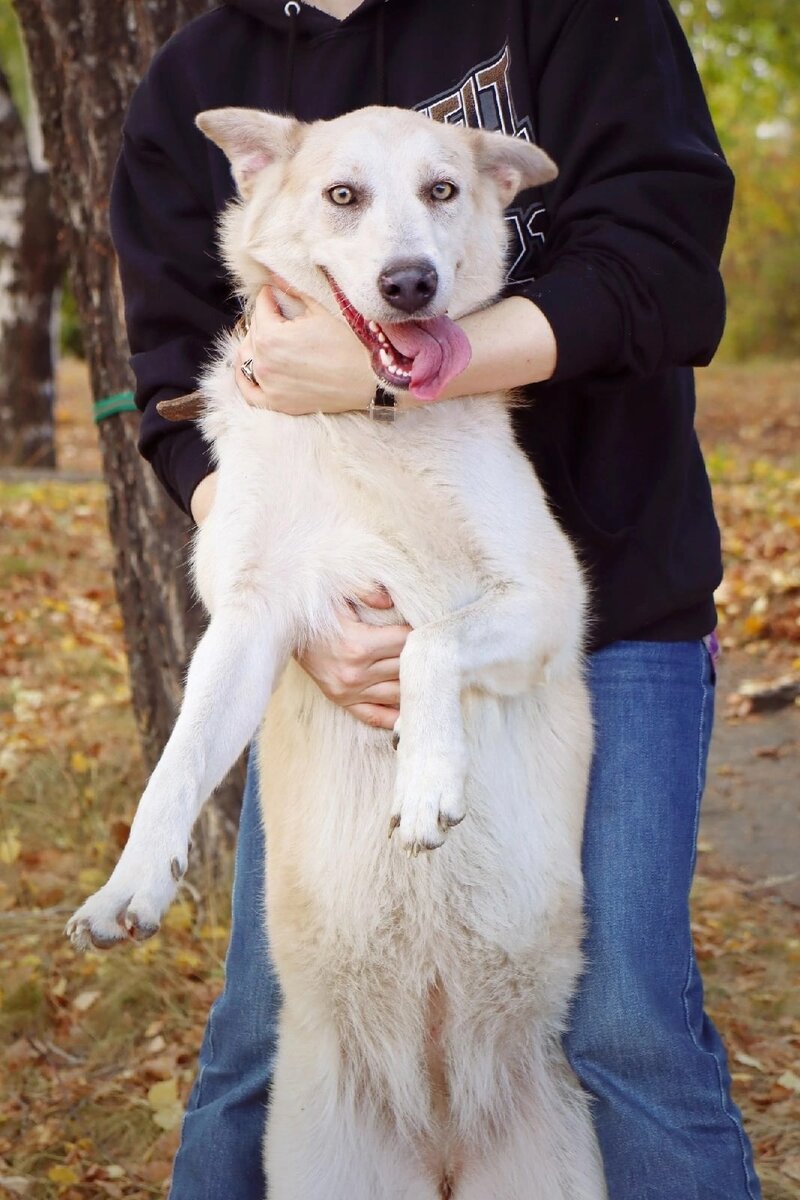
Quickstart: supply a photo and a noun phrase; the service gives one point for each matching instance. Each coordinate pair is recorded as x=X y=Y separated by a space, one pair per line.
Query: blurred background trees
x=31 y=268
x=748 y=53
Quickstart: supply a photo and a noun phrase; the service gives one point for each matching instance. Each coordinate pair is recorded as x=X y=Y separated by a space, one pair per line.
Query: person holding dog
x=614 y=294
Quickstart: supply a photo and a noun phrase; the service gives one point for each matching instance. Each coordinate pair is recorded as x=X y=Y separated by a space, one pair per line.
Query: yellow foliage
x=10 y=846
x=79 y=763
x=62 y=1175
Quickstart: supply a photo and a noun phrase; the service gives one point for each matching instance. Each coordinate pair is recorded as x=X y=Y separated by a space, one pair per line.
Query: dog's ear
x=512 y=163
x=251 y=139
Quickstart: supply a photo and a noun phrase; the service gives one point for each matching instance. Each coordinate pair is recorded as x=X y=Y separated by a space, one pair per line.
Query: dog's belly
x=362 y=935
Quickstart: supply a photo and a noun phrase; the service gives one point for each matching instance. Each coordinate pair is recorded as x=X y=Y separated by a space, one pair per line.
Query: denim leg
x=222 y=1135
x=640 y=1041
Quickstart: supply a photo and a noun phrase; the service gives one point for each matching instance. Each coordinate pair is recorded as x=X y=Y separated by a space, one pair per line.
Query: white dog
x=424 y=996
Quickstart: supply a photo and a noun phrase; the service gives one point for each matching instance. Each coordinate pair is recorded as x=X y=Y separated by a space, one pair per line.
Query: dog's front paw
x=428 y=799
x=130 y=906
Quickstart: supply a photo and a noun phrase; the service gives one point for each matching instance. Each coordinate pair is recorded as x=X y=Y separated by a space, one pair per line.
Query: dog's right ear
x=251 y=139
x=512 y=163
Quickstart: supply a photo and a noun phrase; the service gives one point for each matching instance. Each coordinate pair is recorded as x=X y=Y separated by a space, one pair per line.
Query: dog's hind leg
x=548 y=1151
x=324 y=1144
x=227 y=688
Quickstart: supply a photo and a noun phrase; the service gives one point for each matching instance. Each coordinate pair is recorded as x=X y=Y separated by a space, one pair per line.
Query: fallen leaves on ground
x=748 y=947
x=749 y=425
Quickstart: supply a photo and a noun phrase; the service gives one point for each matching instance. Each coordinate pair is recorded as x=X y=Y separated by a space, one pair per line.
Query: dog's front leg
x=228 y=686
x=504 y=643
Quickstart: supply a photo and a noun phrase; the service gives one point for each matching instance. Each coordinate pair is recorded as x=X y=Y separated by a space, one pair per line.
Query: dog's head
x=382 y=215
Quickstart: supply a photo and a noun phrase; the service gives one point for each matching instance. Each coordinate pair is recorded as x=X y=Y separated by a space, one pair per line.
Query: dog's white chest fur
x=364 y=502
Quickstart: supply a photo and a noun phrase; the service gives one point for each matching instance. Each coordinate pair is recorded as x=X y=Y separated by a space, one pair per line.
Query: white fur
x=424 y=997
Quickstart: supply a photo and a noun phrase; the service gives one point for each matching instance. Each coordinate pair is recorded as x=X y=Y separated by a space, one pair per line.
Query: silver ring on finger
x=248 y=372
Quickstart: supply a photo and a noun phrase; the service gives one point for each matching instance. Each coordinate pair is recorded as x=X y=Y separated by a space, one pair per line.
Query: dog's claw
x=137 y=930
x=83 y=937
x=393 y=823
x=177 y=871
x=100 y=942
x=395 y=739
x=77 y=932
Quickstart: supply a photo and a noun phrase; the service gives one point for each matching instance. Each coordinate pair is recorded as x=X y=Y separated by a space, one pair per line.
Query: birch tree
x=30 y=271
x=86 y=57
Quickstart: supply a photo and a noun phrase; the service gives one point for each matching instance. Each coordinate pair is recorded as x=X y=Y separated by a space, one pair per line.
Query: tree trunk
x=86 y=57
x=30 y=273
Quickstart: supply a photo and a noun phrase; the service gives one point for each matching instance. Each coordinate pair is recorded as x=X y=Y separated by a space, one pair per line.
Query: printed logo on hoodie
x=483 y=100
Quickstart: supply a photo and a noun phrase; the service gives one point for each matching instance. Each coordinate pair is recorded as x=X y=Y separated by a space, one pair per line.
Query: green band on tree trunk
x=109 y=406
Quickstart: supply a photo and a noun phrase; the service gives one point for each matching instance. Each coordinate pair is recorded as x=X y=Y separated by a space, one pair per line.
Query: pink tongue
x=439 y=348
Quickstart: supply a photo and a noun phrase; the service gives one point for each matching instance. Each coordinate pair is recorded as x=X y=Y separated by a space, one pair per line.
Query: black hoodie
x=621 y=253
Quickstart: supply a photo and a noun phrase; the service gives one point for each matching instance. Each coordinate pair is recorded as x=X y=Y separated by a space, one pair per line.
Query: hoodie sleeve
x=630 y=276
x=177 y=300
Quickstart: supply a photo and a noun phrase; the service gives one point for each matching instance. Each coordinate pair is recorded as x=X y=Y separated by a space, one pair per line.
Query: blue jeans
x=639 y=1039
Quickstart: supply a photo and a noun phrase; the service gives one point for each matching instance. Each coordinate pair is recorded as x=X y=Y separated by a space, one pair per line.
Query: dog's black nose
x=408 y=285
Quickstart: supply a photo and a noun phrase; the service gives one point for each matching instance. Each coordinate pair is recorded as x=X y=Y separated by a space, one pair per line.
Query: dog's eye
x=341 y=195
x=444 y=190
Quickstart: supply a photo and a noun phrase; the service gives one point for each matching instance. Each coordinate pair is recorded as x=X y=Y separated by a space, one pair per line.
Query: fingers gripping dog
x=424 y=993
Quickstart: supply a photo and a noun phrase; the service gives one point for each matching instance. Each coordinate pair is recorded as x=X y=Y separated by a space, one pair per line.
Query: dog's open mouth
x=420 y=356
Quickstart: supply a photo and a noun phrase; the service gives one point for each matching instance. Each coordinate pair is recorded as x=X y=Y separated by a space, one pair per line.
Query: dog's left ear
x=252 y=140
x=513 y=163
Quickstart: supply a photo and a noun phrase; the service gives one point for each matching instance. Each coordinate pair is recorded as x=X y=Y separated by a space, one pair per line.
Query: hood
x=293 y=19
x=308 y=21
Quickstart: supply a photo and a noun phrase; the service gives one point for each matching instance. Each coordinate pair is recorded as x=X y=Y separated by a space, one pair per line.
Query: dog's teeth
x=381 y=337
x=373 y=326
x=386 y=358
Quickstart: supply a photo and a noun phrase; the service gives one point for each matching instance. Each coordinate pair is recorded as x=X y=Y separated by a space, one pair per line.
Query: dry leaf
x=10 y=847
x=167 y=1108
x=84 y=1001
x=62 y=1175
x=16 y=1185
x=161 y=1095
x=747 y=1060
x=79 y=763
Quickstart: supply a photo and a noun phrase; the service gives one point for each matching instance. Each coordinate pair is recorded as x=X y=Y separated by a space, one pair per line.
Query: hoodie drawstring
x=380 y=54
x=292 y=10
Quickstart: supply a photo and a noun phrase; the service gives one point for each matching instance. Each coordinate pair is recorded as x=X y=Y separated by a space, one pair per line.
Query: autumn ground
x=99 y=1051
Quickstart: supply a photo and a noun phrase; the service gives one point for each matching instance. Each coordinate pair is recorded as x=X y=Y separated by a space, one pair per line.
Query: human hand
x=313 y=363
x=203 y=498
x=360 y=670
